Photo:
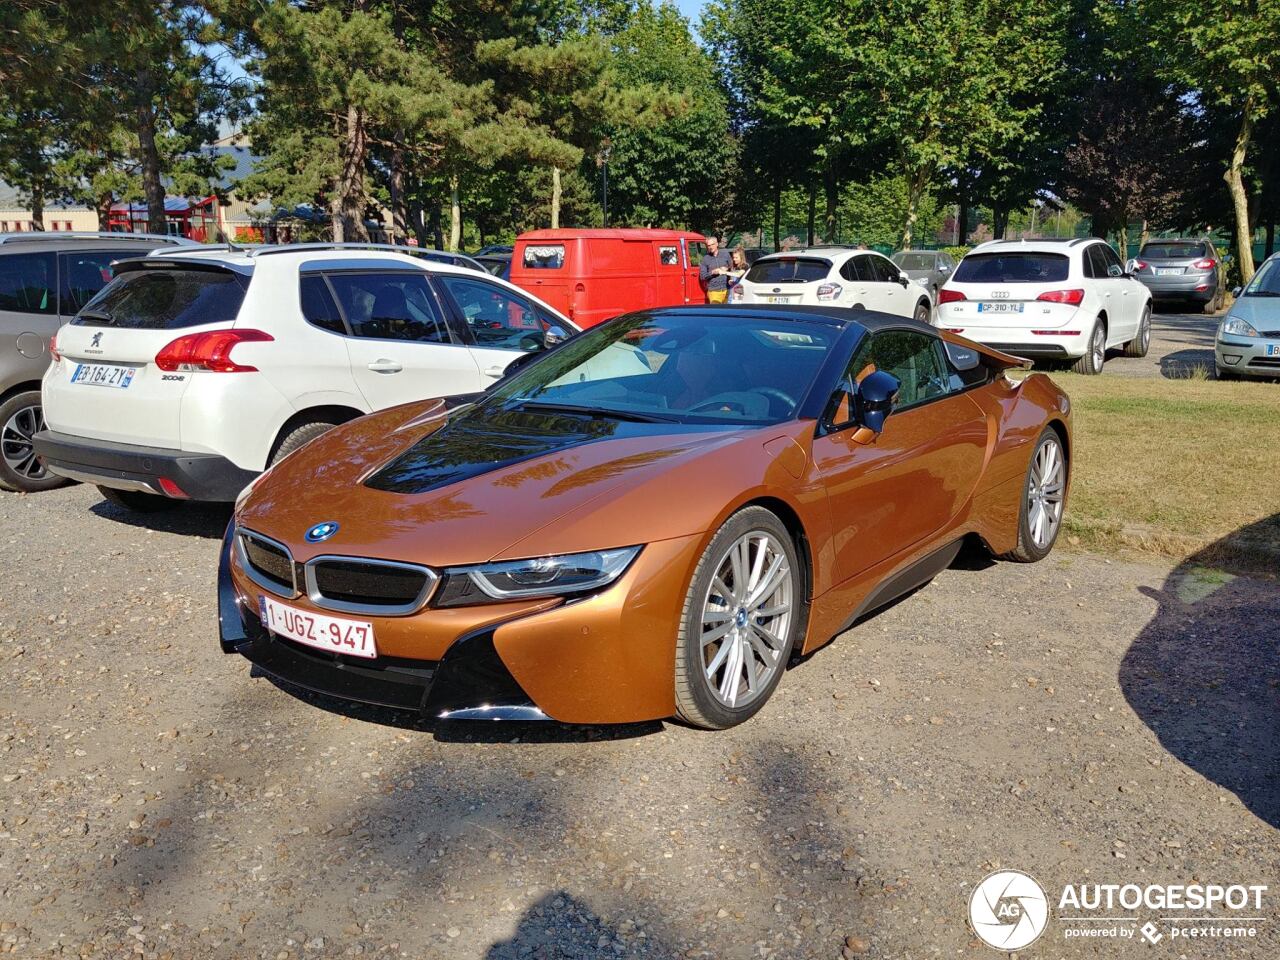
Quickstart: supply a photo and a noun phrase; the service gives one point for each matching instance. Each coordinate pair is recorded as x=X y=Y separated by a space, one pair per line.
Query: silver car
x=1248 y=341
x=929 y=268
x=1186 y=270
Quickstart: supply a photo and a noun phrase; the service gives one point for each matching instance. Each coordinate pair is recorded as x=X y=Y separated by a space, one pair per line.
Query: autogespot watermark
x=1009 y=910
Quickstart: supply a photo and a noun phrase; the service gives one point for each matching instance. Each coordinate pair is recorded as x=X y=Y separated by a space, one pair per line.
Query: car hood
x=1262 y=312
x=443 y=487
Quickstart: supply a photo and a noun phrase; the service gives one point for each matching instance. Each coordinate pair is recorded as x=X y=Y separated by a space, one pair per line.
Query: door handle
x=495 y=371
x=383 y=365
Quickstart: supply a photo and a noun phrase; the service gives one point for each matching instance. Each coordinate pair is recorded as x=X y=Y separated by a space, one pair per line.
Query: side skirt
x=905 y=580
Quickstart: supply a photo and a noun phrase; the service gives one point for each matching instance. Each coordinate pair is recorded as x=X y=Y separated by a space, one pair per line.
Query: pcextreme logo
x=1008 y=910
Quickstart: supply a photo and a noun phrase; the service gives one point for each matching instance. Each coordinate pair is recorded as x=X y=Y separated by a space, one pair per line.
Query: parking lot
x=1086 y=719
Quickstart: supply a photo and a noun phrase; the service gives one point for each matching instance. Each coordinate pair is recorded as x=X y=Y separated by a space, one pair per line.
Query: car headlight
x=1236 y=327
x=536 y=577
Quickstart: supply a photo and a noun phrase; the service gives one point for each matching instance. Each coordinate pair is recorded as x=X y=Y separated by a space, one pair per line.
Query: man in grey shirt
x=713 y=271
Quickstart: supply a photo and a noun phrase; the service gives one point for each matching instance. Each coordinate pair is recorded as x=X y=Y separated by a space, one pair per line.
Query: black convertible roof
x=833 y=316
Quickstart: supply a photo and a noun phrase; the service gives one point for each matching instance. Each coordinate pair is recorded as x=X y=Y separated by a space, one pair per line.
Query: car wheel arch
x=18 y=388
x=335 y=414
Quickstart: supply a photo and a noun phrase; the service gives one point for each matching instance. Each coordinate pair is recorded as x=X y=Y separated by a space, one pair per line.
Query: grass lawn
x=1176 y=467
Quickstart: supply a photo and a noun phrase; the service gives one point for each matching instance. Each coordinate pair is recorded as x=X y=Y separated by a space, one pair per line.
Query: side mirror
x=875 y=399
x=1131 y=267
x=903 y=279
x=1235 y=292
x=555 y=335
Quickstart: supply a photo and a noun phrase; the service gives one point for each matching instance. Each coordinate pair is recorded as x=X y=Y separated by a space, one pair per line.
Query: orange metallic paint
x=938 y=472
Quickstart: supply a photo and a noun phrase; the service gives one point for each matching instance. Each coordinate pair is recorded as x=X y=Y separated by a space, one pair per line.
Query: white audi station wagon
x=195 y=370
x=1063 y=300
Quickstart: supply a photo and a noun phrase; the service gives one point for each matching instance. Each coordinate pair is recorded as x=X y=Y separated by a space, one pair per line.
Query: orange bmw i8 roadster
x=651 y=520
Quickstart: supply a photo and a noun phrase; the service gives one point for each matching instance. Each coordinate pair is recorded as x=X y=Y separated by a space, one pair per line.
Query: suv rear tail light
x=1208 y=263
x=53 y=348
x=1073 y=297
x=949 y=296
x=829 y=291
x=210 y=350
x=1139 y=265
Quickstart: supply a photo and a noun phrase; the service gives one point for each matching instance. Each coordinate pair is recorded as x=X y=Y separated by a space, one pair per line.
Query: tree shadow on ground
x=560 y=926
x=1186 y=364
x=1204 y=674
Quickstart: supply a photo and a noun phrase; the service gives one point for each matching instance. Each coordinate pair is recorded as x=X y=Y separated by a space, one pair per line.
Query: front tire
x=298 y=437
x=1096 y=355
x=742 y=616
x=1138 y=346
x=1043 y=499
x=21 y=417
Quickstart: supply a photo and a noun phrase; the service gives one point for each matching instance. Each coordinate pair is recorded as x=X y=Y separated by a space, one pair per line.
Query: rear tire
x=1095 y=356
x=1043 y=500
x=922 y=312
x=743 y=614
x=136 y=500
x=1138 y=346
x=21 y=416
x=297 y=438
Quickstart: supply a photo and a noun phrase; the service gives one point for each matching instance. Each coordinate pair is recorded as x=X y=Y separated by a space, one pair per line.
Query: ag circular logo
x=1008 y=910
x=321 y=531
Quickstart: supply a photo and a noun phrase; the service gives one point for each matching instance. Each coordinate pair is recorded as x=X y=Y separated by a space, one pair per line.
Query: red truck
x=592 y=275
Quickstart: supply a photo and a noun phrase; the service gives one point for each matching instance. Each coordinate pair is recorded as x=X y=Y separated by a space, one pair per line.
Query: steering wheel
x=773 y=393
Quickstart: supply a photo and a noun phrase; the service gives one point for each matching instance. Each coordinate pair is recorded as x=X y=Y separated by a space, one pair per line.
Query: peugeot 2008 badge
x=321 y=531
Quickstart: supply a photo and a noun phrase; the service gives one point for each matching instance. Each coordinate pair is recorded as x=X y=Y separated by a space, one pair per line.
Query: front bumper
x=606 y=658
x=124 y=466
x=1247 y=356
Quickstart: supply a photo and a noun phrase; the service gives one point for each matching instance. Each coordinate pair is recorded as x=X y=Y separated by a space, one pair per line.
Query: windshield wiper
x=100 y=315
x=629 y=415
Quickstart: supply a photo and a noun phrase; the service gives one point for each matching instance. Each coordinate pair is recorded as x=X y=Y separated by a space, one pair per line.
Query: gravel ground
x=1180 y=342
x=1084 y=719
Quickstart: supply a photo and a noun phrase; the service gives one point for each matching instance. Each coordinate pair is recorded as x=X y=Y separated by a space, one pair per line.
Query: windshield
x=687 y=368
x=1012 y=268
x=913 y=261
x=1266 y=282
x=1172 y=251
x=789 y=270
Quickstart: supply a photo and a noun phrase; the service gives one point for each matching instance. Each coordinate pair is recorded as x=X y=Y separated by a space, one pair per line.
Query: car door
x=886 y=290
x=400 y=346
x=695 y=250
x=28 y=314
x=915 y=477
x=497 y=324
x=1126 y=291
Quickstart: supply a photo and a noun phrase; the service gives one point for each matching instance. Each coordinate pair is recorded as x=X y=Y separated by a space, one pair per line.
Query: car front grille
x=1265 y=362
x=361 y=585
x=268 y=562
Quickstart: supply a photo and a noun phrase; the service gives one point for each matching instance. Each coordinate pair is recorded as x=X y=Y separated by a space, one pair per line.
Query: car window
x=1173 y=250
x=27 y=283
x=885 y=272
x=318 y=306
x=84 y=273
x=1095 y=263
x=390 y=306
x=914 y=261
x=697 y=250
x=543 y=256
x=849 y=269
x=1112 y=267
x=496 y=317
x=916 y=359
x=789 y=270
x=1012 y=267
x=1266 y=282
x=668 y=255
x=165 y=299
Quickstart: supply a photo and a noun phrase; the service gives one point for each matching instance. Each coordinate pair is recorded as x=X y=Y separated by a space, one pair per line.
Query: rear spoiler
x=1005 y=360
x=179 y=263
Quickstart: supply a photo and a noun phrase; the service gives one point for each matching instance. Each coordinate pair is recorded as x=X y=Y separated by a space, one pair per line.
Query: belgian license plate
x=769 y=299
x=103 y=375
x=1168 y=271
x=1273 y=349
x=335 y=634
x=1005 y=307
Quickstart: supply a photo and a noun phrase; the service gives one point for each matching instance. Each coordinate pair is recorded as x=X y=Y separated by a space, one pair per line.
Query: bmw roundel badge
x=321 y=531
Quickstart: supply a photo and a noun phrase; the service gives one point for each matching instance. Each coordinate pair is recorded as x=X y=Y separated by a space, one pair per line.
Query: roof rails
x=27 y=235
x=270 y=249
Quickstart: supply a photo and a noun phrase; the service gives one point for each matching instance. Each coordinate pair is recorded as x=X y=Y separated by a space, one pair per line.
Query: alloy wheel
x=1146 y=330
x=16 y=445
x=746 y=619
x=1098 y=347
x=1045 y=486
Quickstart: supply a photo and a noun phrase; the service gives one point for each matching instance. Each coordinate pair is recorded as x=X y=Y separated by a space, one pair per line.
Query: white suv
x=833 y=276
x=1048 y=300
x=194 y=370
